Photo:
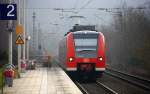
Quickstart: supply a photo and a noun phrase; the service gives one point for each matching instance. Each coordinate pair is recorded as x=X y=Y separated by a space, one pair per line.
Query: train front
x=86 y=54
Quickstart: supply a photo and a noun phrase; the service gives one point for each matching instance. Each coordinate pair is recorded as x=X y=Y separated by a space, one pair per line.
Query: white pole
x=19 y=59
x=24 y=36
x=10 y=45
x=10 y=39
x=27 y=49
x=28 y=39
x=19 y=47
x=27 y=33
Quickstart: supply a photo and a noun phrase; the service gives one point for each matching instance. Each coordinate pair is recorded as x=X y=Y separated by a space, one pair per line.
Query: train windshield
x=85 y=45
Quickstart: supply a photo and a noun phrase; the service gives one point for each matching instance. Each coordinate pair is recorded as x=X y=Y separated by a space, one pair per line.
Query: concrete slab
x=43 y=81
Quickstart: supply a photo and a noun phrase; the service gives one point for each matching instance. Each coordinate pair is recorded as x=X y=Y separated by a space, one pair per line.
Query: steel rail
x=129 y=81
x=137 y=77
x=84 y=91
x=106 y=88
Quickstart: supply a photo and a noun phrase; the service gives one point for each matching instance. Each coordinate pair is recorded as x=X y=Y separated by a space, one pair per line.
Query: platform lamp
x=27 y=41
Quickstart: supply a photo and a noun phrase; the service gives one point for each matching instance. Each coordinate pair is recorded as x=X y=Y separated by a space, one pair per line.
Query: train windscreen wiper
x=86 y=50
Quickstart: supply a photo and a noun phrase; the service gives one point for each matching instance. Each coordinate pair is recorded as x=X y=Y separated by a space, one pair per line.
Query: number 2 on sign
x=12 y=9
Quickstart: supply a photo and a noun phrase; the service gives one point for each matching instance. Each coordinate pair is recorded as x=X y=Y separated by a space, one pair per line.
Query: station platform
x=43 y=81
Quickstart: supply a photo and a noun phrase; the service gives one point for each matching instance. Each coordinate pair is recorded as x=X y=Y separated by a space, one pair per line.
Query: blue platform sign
x=8 y=12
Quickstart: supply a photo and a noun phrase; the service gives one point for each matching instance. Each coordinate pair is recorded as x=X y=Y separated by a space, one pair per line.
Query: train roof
x=82 y=29
x=85 y=32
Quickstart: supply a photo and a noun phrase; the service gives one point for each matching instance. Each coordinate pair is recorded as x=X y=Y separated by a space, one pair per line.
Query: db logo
x=86 y=60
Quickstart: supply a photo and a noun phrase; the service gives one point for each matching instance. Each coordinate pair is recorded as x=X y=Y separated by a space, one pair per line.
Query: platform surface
x=43 y=81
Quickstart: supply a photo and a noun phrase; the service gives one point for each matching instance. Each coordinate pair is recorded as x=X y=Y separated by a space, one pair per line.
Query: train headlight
x=70 y=59
x=100 y=59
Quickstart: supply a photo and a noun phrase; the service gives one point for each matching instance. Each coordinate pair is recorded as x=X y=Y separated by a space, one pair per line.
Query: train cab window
x=85 y=45
x=85 y=42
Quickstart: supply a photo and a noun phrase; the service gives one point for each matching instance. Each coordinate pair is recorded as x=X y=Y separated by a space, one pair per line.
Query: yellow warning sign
x=18 y=29
x=19 y=40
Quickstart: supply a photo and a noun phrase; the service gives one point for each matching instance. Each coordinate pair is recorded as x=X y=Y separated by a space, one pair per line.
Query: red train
x=82 y=53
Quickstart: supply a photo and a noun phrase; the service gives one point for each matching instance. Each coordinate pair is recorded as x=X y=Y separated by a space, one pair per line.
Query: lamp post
x=24 y=29
x=10 y=29
x=27 y=41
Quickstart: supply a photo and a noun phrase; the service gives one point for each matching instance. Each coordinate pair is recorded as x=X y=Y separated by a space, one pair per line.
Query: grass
x=1 y=78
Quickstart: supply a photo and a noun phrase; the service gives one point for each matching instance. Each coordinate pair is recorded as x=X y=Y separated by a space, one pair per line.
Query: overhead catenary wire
x=97 y=16
x=88 y=2
x=82 y=8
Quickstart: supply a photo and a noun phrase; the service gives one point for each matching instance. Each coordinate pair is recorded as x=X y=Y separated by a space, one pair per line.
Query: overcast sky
x=80 y=3
x=46 y=15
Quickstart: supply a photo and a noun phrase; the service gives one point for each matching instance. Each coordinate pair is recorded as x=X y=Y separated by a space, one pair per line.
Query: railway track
x=138 y=81
x=84 y=91
x=111 y=91
x=95 y=88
